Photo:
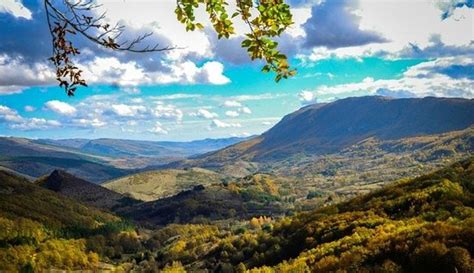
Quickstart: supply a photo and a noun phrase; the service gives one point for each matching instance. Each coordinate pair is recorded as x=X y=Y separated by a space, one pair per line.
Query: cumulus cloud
x=448 y=7
x=125 y=110
x=221 y=124
x=425 y=79
x=307 y=97
x=9 y=115
x=88 y=123
x=131 y=90
x=35 y=124
x=168 y=111
x=334 y=24
x=232 y=114
x=231 y=103
x=430 y=35
x=158 y=129
x=176 y=96
x=236 y=113
x=18 y=75
x=264 y=96
x=242 y=134
x=15 y=121
x=204 y=113
x=29 y=108
x=22 y=65
x=245 y=110
x=111 y=70
x=61 y=108
x=15 y=8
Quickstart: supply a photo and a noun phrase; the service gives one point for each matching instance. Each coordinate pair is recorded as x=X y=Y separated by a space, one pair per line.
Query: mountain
x=97 y=160
x=83 y=191
x=140 y=148
x=331 y=127
x=152 y=185
x=20 y=198
x=227 y=202
x=44 y=231
x=27 y=157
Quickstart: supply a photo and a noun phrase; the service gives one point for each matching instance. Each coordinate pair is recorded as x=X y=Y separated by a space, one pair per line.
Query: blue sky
x=211 y=89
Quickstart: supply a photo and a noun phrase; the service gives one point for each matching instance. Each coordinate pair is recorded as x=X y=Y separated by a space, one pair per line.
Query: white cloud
x=137 y=100
x=88 y=123
x=15 y=8
x=165 y=25
x=9 y=115
x=221 y=124
x=35 y=124
x=232 y=114
x=29 y=108
x=111 y=70
x=231 y=103
x=307 y=97
x=17 y=75
x=392 y=19
x=245 y=110
x=212 y=72
x=242 y=134
x=188 y=72
x=264 y=96
x=204 y=113
x=131 y=90
x=168 y=111
x=15 y=121
x=176 y=96
x=158 y=129
x=424 y=79
x=61 y=108
x=124 y=110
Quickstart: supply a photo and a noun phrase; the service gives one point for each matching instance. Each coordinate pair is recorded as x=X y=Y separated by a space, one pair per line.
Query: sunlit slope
x=418 y=225
x=152 y=185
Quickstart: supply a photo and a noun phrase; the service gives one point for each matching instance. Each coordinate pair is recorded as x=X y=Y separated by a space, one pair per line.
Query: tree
x=266 y=20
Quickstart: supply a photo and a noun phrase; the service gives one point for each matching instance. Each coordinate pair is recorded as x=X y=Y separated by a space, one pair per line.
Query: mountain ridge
x=330 y=127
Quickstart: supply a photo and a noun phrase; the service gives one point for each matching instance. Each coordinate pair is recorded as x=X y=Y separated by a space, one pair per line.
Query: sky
x=209 y=88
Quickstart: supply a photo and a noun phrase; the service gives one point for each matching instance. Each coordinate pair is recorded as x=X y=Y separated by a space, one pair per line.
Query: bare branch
x=80 y=18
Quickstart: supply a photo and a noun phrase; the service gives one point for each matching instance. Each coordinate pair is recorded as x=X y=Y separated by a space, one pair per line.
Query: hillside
x=43 y=231
x=329 y=128
x=97 y=160
x=35 y=160
x=152 y=185
x=226 y=202
x=419 y=225
x=83 y=191
x=20 y=198
x=413 y=225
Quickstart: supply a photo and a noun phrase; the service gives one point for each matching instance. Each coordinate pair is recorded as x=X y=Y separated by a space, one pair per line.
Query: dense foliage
x=424 y=224
x=420 y=225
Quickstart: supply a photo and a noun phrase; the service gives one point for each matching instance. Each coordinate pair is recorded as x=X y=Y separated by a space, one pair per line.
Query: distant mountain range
x=97 y=160
x=139 y=148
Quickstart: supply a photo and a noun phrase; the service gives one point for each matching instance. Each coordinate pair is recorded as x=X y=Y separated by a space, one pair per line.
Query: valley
x=377 y=191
